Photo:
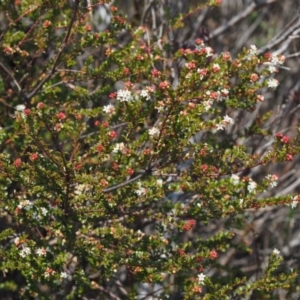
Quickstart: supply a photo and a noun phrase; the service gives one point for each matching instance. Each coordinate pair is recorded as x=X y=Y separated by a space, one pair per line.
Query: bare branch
x=120 y=185
x=284 y=37
x=11 y=76
x=244 y=14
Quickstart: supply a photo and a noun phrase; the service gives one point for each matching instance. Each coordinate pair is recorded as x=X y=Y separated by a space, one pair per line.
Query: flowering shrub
x=111 y=174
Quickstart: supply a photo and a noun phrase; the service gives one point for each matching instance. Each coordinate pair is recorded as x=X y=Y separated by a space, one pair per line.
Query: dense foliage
x=120 y=153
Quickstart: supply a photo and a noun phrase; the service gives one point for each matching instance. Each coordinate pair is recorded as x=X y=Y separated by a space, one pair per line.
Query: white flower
x=119 y=147
x=277 y=60
x=41 y=251
x=272 y=69
x=63 y=275
x=207 y=104
x=201 y=278
x=25 y=251
x=228 y=120
x=159 y=182
x=109 y=109
x=17 y=241
x=124 y=95
x=209 y=51
x=273 y=184
x=220 y=127
x=235 y=179
x=20 y=107
x=141 y=191
x=276 y=251
x=44 y=211
x=216 y=67
x=145 y=94
x=272 y=179
x=25 y=203
x=253 y=50
x=154 y=131
x=272 y=83
x=225 y=92
x=241 y=201
x=294 y=202
x=251 y=186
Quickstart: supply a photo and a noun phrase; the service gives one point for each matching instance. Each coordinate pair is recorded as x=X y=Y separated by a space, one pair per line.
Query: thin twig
x=64 y=43
x=120 y=185
x=11 y=76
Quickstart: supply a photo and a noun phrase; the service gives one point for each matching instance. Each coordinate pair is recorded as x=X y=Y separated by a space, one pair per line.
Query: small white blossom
x=276 y=251
x=63 y=275
x=272 y=69
x=220 y=127
x=141 y=191
x=109 y=109
x=159 y=182
x=235 y=179
x=124 y=95
x=228 y=120
x=225 y=92
x=201 y=278
x=26 y=204
x=272 y=83
x=17 y=241
x=119 y=147
x=145 y=94
x=253 y=50
x=273 y=180
x=209 y=51
x=154 y=131
x=25 y=251
x=41 y=251
x=277 y=59
x=207 y=104
x=241 y=201
x=294 y=202
x=44 y=211
x=251 y=186
x=20 y=107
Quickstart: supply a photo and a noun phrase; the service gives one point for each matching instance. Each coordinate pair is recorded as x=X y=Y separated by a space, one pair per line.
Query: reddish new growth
x=112 y=95
x=78 y=166
x=46 y=24
x=254 y=77
x=147 y=151
x=112 y=134
x=285 y=139
x=61 y=116
x=155 y=73
x=88 y=27
x=100 y=148
x=164 y=85
x=114 y=165
x=191 y=65
x=204 y=168
x=213 y=254
x=130 y=171
x=27 y=111
x=226 y=56
x=33 y=156
x=181 y=252
x=40 y=105
x=18 y=162
x=126 y=72
x=189 y=225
